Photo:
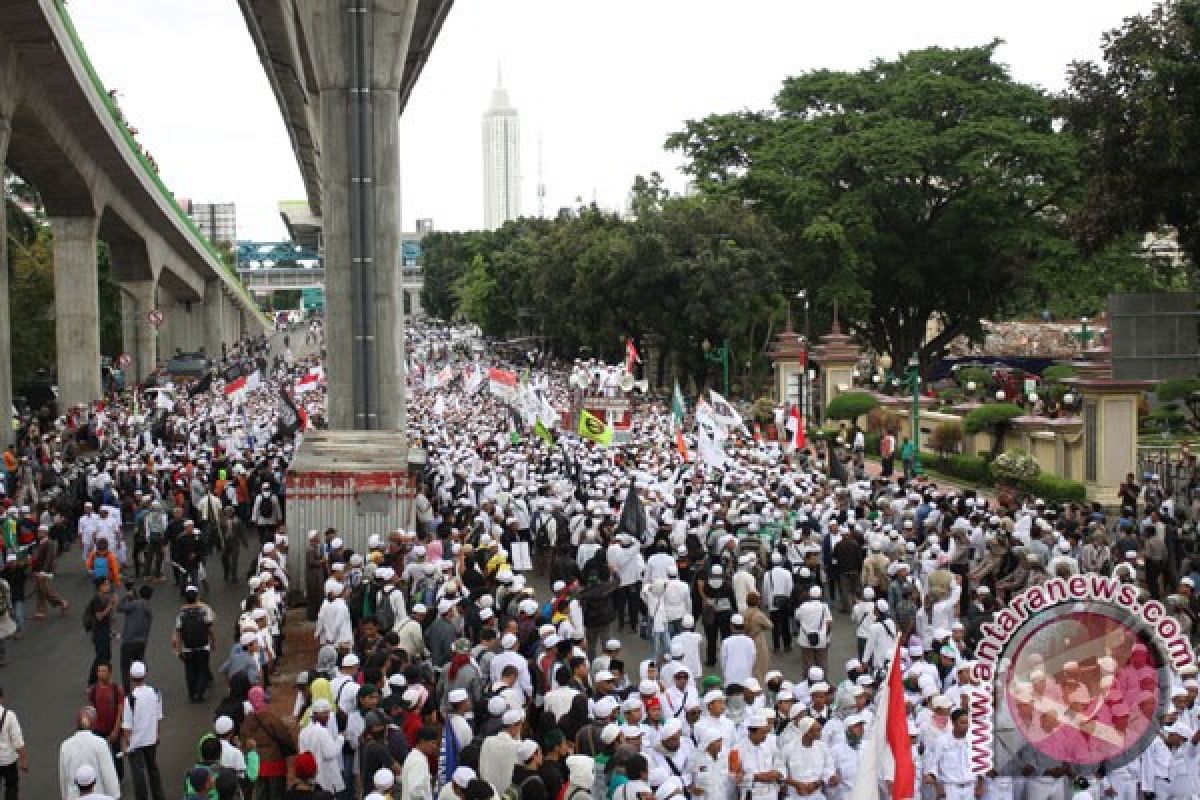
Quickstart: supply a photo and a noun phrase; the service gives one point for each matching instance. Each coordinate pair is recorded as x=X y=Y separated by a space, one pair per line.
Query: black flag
x=289 y=417
x=633 y=517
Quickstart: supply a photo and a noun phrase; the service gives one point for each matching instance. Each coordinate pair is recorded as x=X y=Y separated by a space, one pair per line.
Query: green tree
x=917 y=189
x=1136 y=117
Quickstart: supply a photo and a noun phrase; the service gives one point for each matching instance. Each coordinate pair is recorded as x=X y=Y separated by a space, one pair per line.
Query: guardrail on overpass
x=283 y=279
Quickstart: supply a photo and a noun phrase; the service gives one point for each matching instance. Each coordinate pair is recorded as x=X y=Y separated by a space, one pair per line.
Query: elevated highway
x=61 y=132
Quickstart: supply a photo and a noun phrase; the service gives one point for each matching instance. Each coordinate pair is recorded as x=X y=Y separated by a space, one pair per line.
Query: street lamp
x=719 y=356
x=912 y=380
x=1085 y=334
x=805 y=380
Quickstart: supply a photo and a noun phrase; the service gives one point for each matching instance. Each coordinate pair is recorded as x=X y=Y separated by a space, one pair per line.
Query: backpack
x=193 y=628
x=100 y=566
x=385 y=613
x=516 y=791
x=425 y=591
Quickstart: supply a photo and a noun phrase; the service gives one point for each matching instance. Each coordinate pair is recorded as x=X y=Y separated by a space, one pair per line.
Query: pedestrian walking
x=97 y=621
x=44 y=554
x=141 y=722
x=14 y=758
x=108 y=699
x=86 y=748
x=814 y=623
x=135 y=631
x=193 y=641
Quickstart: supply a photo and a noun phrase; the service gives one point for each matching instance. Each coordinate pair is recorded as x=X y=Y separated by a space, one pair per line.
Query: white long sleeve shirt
x=333 y=623
x=327 y=750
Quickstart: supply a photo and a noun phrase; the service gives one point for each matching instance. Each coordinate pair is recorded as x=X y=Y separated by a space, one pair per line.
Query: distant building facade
x=217 y=221
x=501 y=161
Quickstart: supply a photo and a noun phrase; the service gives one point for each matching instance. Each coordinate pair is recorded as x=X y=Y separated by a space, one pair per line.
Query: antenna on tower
x=541 y=185
x=499 y=75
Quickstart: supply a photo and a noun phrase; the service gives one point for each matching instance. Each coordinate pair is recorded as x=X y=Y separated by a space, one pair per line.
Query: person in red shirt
x=107 y=698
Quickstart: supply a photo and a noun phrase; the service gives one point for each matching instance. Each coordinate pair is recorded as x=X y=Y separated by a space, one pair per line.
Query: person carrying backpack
x=192 y=642
x=102 y=564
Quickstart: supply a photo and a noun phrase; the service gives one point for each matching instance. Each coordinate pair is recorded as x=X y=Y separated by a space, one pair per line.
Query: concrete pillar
x=140 y=338
x=6 y=431
x=214 y=318
x=381 y=373
x=76 y=308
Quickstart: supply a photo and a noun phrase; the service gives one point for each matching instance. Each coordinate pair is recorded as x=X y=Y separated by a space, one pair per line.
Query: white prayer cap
x=512 y=717
x=463 y=776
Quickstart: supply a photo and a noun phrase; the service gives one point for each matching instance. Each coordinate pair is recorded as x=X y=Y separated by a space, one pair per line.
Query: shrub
x=980 y=376
x=882 y=419
x=946 y=438
x=873 y=442
x=1168 y=419
x=971 y=469
x=1054 y=489
x=1014 y=466
x=1057 y=373
x=850 y=405
x=991 y=418
x=1177 y=389
x=764 y=411
x=952 y=397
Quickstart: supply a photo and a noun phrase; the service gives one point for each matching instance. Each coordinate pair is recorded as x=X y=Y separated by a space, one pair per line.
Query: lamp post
x=912 y=380
x=719 y=356
x=1085 y=334
x=805 y=381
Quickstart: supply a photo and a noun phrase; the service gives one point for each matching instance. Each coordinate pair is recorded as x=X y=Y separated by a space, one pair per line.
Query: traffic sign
x=155 y=317
x=124 y=361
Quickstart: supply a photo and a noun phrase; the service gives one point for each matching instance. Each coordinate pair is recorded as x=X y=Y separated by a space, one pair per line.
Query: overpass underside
x=60 y=133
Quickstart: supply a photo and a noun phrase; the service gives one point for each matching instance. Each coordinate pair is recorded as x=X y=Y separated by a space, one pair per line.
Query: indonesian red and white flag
x=235 y=391
x=887 y=753
x=309 y=381
x=795 y=425
x=502 y=383
x=631 y=355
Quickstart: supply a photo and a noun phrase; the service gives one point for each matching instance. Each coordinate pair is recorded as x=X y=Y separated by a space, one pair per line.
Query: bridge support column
x=77 y=310
x=214 y=318
x=363 y=284
x=140 y=338
x=6 y=431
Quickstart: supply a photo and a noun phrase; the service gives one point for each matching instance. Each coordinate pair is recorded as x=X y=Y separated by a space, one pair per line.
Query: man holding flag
x=677 y=414
x=887 y=750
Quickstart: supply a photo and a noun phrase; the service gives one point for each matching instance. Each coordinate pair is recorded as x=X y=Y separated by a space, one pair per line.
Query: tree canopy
x=1135 y=114
x=918 y=189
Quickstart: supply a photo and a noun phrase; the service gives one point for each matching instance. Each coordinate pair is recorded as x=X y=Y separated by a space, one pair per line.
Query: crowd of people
x=569 y=621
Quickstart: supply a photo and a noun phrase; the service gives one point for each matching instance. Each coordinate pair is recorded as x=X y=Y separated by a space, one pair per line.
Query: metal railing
x=276 y=278
x=1174 y=469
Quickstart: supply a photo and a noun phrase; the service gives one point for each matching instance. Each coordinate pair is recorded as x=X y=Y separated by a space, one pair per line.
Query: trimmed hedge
x=973 y=469
x=1054 y=489
x=850 y=406
x=989 y=417
x=1056 y=373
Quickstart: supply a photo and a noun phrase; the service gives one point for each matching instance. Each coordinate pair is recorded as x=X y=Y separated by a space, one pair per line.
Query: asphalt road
x=46 y=677
x=45 y=680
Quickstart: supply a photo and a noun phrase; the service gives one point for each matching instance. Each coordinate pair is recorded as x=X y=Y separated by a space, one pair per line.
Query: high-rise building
x=217 y=221
x=501 y=160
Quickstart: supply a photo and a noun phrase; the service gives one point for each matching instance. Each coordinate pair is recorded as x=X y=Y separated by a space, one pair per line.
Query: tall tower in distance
x=501 y=159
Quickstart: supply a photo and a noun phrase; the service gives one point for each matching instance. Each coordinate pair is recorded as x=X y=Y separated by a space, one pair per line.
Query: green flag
x=545 y=433
x=594 y=428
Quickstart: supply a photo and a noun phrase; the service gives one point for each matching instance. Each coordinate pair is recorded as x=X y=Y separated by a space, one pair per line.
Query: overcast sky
x=600 y=84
